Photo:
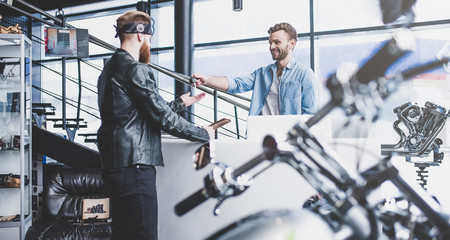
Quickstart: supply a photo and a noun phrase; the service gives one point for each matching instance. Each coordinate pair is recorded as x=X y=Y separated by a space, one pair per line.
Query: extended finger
x=201 y=95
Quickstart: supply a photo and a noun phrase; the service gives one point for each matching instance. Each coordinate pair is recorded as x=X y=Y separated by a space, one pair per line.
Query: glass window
x=333 y=51
x=102 y=28
x=342 y=14
x=164 y=19
x=165 y=82
x=429 y=86
x=216 y=20
x=432 y=10
x=242 y=59
x=333 y=15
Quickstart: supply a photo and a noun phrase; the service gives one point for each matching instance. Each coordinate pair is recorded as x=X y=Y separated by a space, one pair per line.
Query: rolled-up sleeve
x=242 y=83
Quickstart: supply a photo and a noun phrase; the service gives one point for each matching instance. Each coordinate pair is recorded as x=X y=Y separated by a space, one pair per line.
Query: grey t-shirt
x=272 y=104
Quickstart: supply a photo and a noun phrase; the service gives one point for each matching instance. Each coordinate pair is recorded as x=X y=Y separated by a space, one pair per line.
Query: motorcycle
x=342 y=209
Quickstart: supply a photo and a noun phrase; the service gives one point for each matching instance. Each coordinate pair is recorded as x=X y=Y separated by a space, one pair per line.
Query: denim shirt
x=297 y=90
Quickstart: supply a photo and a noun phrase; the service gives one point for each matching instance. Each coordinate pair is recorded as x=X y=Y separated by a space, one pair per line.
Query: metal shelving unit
x=15 y=135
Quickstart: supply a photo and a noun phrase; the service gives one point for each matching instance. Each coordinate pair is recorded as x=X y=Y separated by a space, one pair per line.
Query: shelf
x=9 y=153
x=12 y=85
x=9 y=224
x=18 y=188
x=10 y=150
x=27 y=181
x=27 y=218
x=9 y=42
x=26 y=185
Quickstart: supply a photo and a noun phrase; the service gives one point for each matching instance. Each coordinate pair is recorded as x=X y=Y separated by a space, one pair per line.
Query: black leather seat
x=63 y=194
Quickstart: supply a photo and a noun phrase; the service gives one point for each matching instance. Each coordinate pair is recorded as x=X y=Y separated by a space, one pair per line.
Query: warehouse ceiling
x=51 y=4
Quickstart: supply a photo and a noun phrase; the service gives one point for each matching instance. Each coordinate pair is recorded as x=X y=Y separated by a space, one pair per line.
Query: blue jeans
x=133 y=201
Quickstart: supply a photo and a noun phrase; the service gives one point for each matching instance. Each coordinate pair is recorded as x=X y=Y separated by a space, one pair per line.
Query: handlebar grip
x=378 y=64
x=191 y=202
x=393 y=50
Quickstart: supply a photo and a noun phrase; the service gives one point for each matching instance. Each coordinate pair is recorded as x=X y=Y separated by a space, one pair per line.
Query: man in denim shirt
x=282 y=88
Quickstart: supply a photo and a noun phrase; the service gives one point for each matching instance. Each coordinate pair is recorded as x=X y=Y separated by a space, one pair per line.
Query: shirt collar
x=290 y=64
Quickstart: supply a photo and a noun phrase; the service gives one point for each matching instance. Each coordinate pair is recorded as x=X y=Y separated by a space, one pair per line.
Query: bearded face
x=279 y=45
x=144 y=53
x=279 y=53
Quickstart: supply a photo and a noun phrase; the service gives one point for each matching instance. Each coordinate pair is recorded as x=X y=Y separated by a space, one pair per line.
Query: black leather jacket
x=133 y=115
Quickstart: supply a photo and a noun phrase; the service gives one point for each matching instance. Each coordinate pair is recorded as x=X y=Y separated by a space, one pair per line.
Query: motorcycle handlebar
x=210 y=189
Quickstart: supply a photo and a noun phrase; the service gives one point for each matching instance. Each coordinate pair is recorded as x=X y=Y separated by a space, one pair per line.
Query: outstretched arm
x=216 y=82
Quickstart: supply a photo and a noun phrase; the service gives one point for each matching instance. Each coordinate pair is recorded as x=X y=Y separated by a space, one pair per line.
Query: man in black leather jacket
x=129 y=138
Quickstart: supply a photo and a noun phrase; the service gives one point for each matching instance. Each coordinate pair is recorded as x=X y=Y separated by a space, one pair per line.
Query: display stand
x=15 y=135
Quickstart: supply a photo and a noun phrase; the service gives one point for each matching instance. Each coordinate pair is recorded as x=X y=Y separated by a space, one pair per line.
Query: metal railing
x=88 y=109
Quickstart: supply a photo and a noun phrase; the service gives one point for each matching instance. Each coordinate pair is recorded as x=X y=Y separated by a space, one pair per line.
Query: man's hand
x=201 y=79
x=210 y=130
x=217 y=82
x=188 y=100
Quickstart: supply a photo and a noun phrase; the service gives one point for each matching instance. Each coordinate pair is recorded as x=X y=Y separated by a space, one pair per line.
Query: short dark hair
x=286 y=27
x=132 y=17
